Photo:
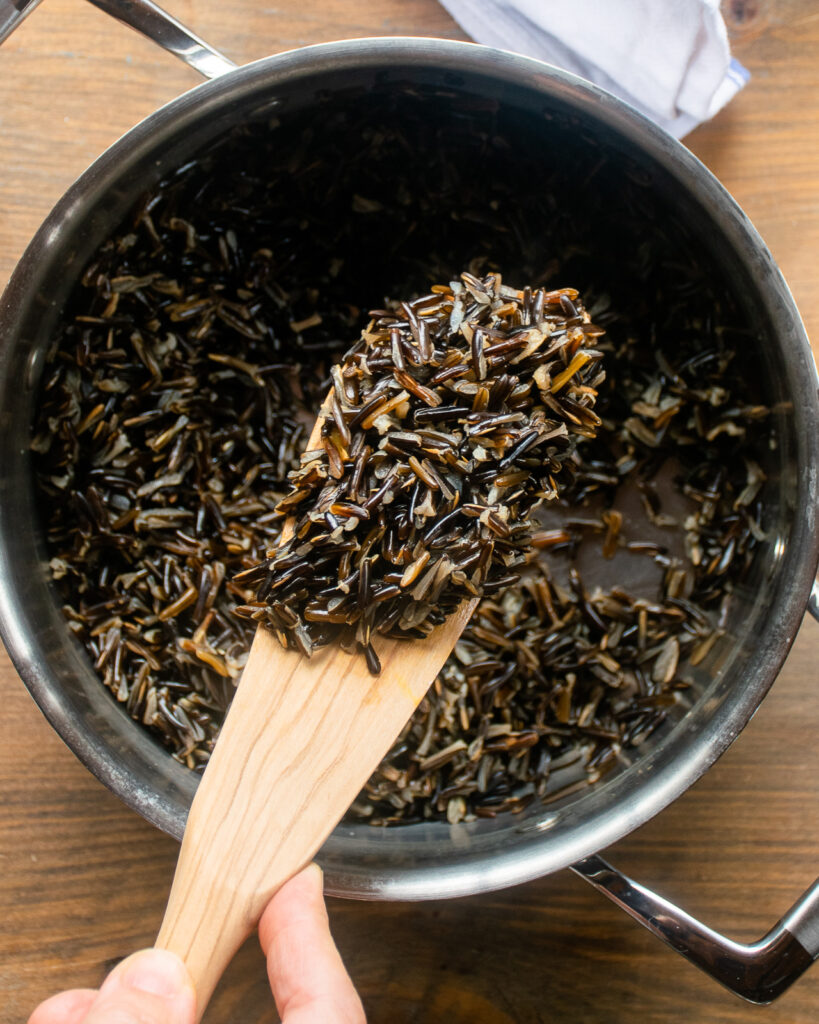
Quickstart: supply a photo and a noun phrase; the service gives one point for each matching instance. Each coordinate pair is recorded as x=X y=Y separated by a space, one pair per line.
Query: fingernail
x=318 y=875
x=156 y=971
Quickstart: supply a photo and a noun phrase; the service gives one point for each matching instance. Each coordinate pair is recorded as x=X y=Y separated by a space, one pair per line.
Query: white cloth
x=668 y=58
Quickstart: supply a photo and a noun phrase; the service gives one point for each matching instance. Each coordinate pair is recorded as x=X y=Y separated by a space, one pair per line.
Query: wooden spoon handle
x=301 y=739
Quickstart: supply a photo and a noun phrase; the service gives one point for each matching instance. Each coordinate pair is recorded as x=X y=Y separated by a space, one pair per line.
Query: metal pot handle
x=759 y=971
x=148 y=19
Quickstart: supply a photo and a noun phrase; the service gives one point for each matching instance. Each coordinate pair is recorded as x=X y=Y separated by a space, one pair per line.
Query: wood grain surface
x=83 y=881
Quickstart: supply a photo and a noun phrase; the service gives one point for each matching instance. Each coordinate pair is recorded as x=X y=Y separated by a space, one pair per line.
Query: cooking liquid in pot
x=198 y=344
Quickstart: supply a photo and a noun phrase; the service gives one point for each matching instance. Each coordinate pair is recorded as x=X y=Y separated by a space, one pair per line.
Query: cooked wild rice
x=195 y=351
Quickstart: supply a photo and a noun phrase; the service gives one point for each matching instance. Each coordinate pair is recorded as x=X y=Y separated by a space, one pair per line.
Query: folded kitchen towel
x=668 y=58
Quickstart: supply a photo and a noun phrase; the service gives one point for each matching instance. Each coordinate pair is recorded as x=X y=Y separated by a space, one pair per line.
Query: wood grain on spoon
x=300 y=740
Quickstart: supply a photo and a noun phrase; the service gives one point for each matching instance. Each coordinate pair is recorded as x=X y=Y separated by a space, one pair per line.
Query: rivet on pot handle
x=759 y=971
x=148 y=19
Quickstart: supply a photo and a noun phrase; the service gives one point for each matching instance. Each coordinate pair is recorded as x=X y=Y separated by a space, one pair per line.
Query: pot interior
x=543 y=178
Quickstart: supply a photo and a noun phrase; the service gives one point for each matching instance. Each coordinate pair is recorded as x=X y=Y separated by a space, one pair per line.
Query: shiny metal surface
x=150 y=20
x=813 y=600
x=422 y=861
x=12 y=13
x=802 y=920
x=758 y=971
x=146 y=18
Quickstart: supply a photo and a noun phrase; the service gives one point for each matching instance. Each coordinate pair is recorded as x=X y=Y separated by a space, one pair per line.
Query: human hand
x=308 y=979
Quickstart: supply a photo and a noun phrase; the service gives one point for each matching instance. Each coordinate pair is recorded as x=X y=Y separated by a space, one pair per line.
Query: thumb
x=149 y=987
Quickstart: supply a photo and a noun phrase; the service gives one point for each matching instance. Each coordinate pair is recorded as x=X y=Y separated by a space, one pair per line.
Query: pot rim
x=528 y=858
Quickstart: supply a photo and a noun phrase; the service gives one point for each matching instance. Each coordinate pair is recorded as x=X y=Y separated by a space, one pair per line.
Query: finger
x=65 y=1008
x=308 y=978
x=150 y=987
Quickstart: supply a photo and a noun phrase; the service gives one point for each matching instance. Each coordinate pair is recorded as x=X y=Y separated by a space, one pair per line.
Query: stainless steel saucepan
x=426 y=861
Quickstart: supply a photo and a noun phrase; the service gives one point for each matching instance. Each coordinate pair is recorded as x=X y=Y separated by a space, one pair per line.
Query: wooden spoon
x=300 y=740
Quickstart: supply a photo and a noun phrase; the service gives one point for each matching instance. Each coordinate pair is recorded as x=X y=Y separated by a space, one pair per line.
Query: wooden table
x=83 y=880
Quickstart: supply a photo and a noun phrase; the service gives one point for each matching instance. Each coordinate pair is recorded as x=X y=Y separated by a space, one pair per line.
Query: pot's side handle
x=12 y=13
x=759 y=971
x=149 y=20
